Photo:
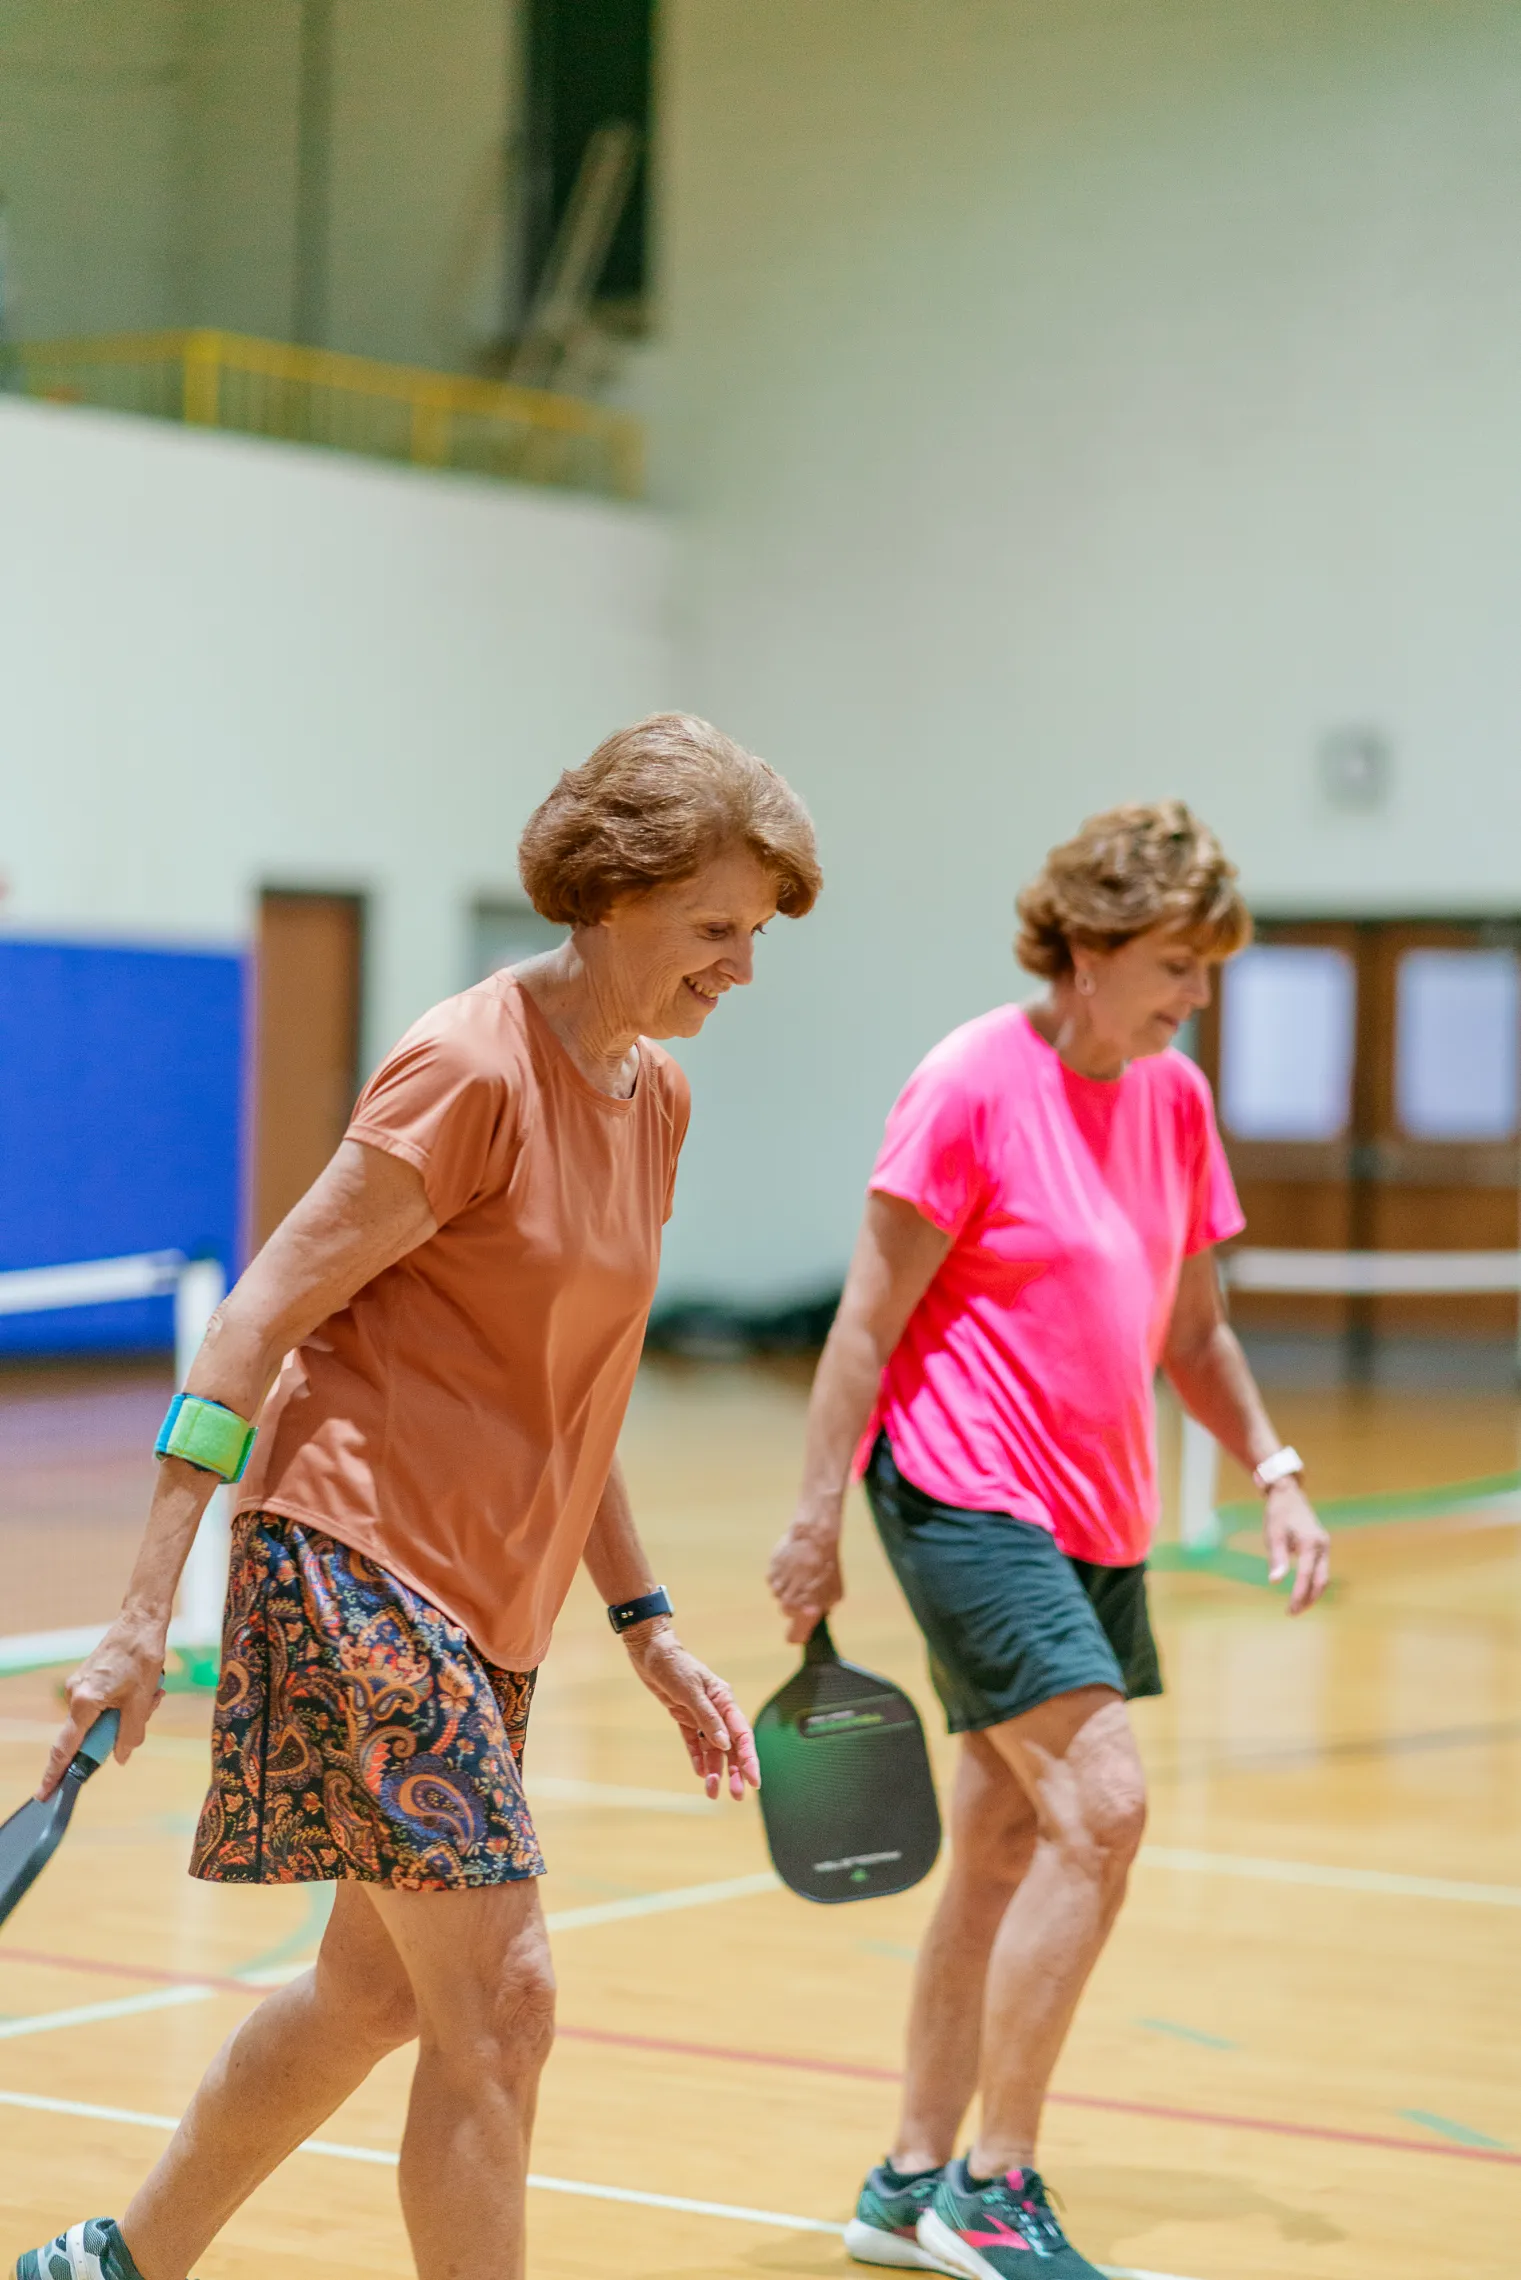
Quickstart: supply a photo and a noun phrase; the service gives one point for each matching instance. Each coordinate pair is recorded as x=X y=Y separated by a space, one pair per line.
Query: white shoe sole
x=945 y=2251
x=869 y=2246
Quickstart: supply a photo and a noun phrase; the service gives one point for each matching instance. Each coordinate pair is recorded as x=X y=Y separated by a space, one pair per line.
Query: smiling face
x=672 y=953
x=1142 y=993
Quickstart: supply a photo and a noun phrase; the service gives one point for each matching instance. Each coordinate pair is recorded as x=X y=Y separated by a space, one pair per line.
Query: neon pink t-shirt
x=1022 y=1383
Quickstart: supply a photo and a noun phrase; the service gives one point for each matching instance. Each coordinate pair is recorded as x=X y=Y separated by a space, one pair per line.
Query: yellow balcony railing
x=344 y=403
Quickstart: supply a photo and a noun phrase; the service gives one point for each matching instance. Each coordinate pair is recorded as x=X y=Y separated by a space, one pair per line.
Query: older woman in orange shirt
x=451 y=1322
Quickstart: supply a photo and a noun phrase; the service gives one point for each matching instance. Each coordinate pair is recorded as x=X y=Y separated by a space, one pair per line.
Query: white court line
x=1331 y=1879
x=658 y=1903
x=562 y=1790
x=89 y=2014
x=280 y=1974
x=374 y=2156
x=581 y=1919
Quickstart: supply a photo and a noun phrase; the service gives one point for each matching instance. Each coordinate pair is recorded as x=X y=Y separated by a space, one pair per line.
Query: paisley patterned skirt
x=358 y=1734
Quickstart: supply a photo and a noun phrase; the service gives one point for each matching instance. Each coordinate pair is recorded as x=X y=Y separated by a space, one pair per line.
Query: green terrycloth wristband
x=218 y=1440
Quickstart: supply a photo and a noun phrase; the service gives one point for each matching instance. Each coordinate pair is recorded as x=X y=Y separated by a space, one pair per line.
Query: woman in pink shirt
x=1038 y=1240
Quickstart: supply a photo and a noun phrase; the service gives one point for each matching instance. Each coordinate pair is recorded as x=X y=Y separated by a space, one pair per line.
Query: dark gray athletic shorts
x=1009 y=1620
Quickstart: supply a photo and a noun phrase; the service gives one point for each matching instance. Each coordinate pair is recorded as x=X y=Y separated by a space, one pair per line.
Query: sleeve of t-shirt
x=432 y=1105
x=1216 y=1213
x=929 y=1155
x=680 y=1097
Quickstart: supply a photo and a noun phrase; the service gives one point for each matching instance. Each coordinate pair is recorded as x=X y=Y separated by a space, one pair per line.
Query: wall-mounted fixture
x=1356 y=767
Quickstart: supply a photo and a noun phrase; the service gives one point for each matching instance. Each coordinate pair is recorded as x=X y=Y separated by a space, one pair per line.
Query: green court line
x=1391 y=1504
x=1213 y=1559
x=1337 y=1512
x=1186 y=2034
x=1459 y=2133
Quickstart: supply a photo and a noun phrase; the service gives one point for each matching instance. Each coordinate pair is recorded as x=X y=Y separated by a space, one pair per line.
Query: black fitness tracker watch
x=628 y=1612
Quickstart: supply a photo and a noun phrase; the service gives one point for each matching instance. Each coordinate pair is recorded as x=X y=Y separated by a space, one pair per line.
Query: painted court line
x=374 y=2156
x=844 y=2069
x=582 y=1919
x=90 y=2014
x=1330 y=1879
x=660 y=1903
x=563 y=1790
x=1459 y=2132
x=104 y=1968
x=851 y=2070
x=178 y=1990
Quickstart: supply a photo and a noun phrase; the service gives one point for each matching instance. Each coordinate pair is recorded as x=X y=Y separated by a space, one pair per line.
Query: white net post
x=203 y=1586
x=1198 y=1520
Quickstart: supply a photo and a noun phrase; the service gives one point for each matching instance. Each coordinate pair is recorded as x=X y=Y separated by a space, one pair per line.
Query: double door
x=1368 y=1076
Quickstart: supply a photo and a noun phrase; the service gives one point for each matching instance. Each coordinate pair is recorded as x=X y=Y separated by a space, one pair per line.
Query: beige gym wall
x=1070 y=400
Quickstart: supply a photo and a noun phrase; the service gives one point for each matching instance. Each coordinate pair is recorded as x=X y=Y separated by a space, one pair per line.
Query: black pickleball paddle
x=29 y=1839
x=847 y=1795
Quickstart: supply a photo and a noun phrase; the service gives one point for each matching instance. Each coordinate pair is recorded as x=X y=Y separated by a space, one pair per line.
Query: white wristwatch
x=1278 y=1466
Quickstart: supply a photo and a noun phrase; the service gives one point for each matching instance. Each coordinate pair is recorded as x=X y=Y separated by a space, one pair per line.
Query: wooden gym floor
x=1298 y=2056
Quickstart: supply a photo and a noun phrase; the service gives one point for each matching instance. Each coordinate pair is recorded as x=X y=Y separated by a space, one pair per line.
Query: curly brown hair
x=1128 y=870
x=650 y=807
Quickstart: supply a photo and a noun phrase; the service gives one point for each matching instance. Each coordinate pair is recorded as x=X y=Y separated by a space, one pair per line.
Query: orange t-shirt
x=456 y=1421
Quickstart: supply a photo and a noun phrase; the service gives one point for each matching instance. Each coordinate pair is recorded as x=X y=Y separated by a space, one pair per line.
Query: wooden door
x=1408 y=1127
x=310 y=959
x=1440 y=1165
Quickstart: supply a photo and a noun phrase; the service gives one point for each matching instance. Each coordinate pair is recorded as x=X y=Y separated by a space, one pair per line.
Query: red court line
x=847 y=2069
x=1323 y=2135
x=130 y=1971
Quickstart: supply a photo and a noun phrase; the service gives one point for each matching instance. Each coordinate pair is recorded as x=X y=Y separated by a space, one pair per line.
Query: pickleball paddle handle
x=820 y=1647
x=97 y=1745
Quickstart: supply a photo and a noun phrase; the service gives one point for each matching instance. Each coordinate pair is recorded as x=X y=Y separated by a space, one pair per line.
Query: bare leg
x=992 y=1844
x=480 y=1972
x=290 y=2064
x=1076 y=1758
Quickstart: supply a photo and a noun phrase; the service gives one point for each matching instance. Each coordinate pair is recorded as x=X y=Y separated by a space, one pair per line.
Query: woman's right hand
x=126 y=1673
x=804 y=1574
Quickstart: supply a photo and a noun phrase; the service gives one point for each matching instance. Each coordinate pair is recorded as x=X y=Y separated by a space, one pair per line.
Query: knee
x=504 y=2029
x=1108 y=1823
x=523 y=2016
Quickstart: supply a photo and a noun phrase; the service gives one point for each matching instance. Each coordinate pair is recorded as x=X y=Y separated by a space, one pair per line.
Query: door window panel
x=1288 y=1017
x=1457 y=1014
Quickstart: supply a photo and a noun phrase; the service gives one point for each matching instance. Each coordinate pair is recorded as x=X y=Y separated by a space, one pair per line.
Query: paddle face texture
x=847 y=1795
x=29 y=1839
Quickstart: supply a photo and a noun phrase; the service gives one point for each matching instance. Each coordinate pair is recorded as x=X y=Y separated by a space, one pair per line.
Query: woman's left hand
x=1296 y=1539
x=714 y=1728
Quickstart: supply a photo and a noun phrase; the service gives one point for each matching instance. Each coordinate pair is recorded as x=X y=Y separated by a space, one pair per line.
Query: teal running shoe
x=882 y=2231
x=94 y=2250
x=997 y=2231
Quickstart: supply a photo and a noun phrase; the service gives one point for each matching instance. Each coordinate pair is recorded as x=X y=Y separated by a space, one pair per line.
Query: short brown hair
x=650 y=807
x=1129 y=870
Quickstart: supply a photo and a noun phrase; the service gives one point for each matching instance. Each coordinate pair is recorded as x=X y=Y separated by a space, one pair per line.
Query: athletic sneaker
x=997 y=2231
x=94 y=2250
x=882 y=2229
